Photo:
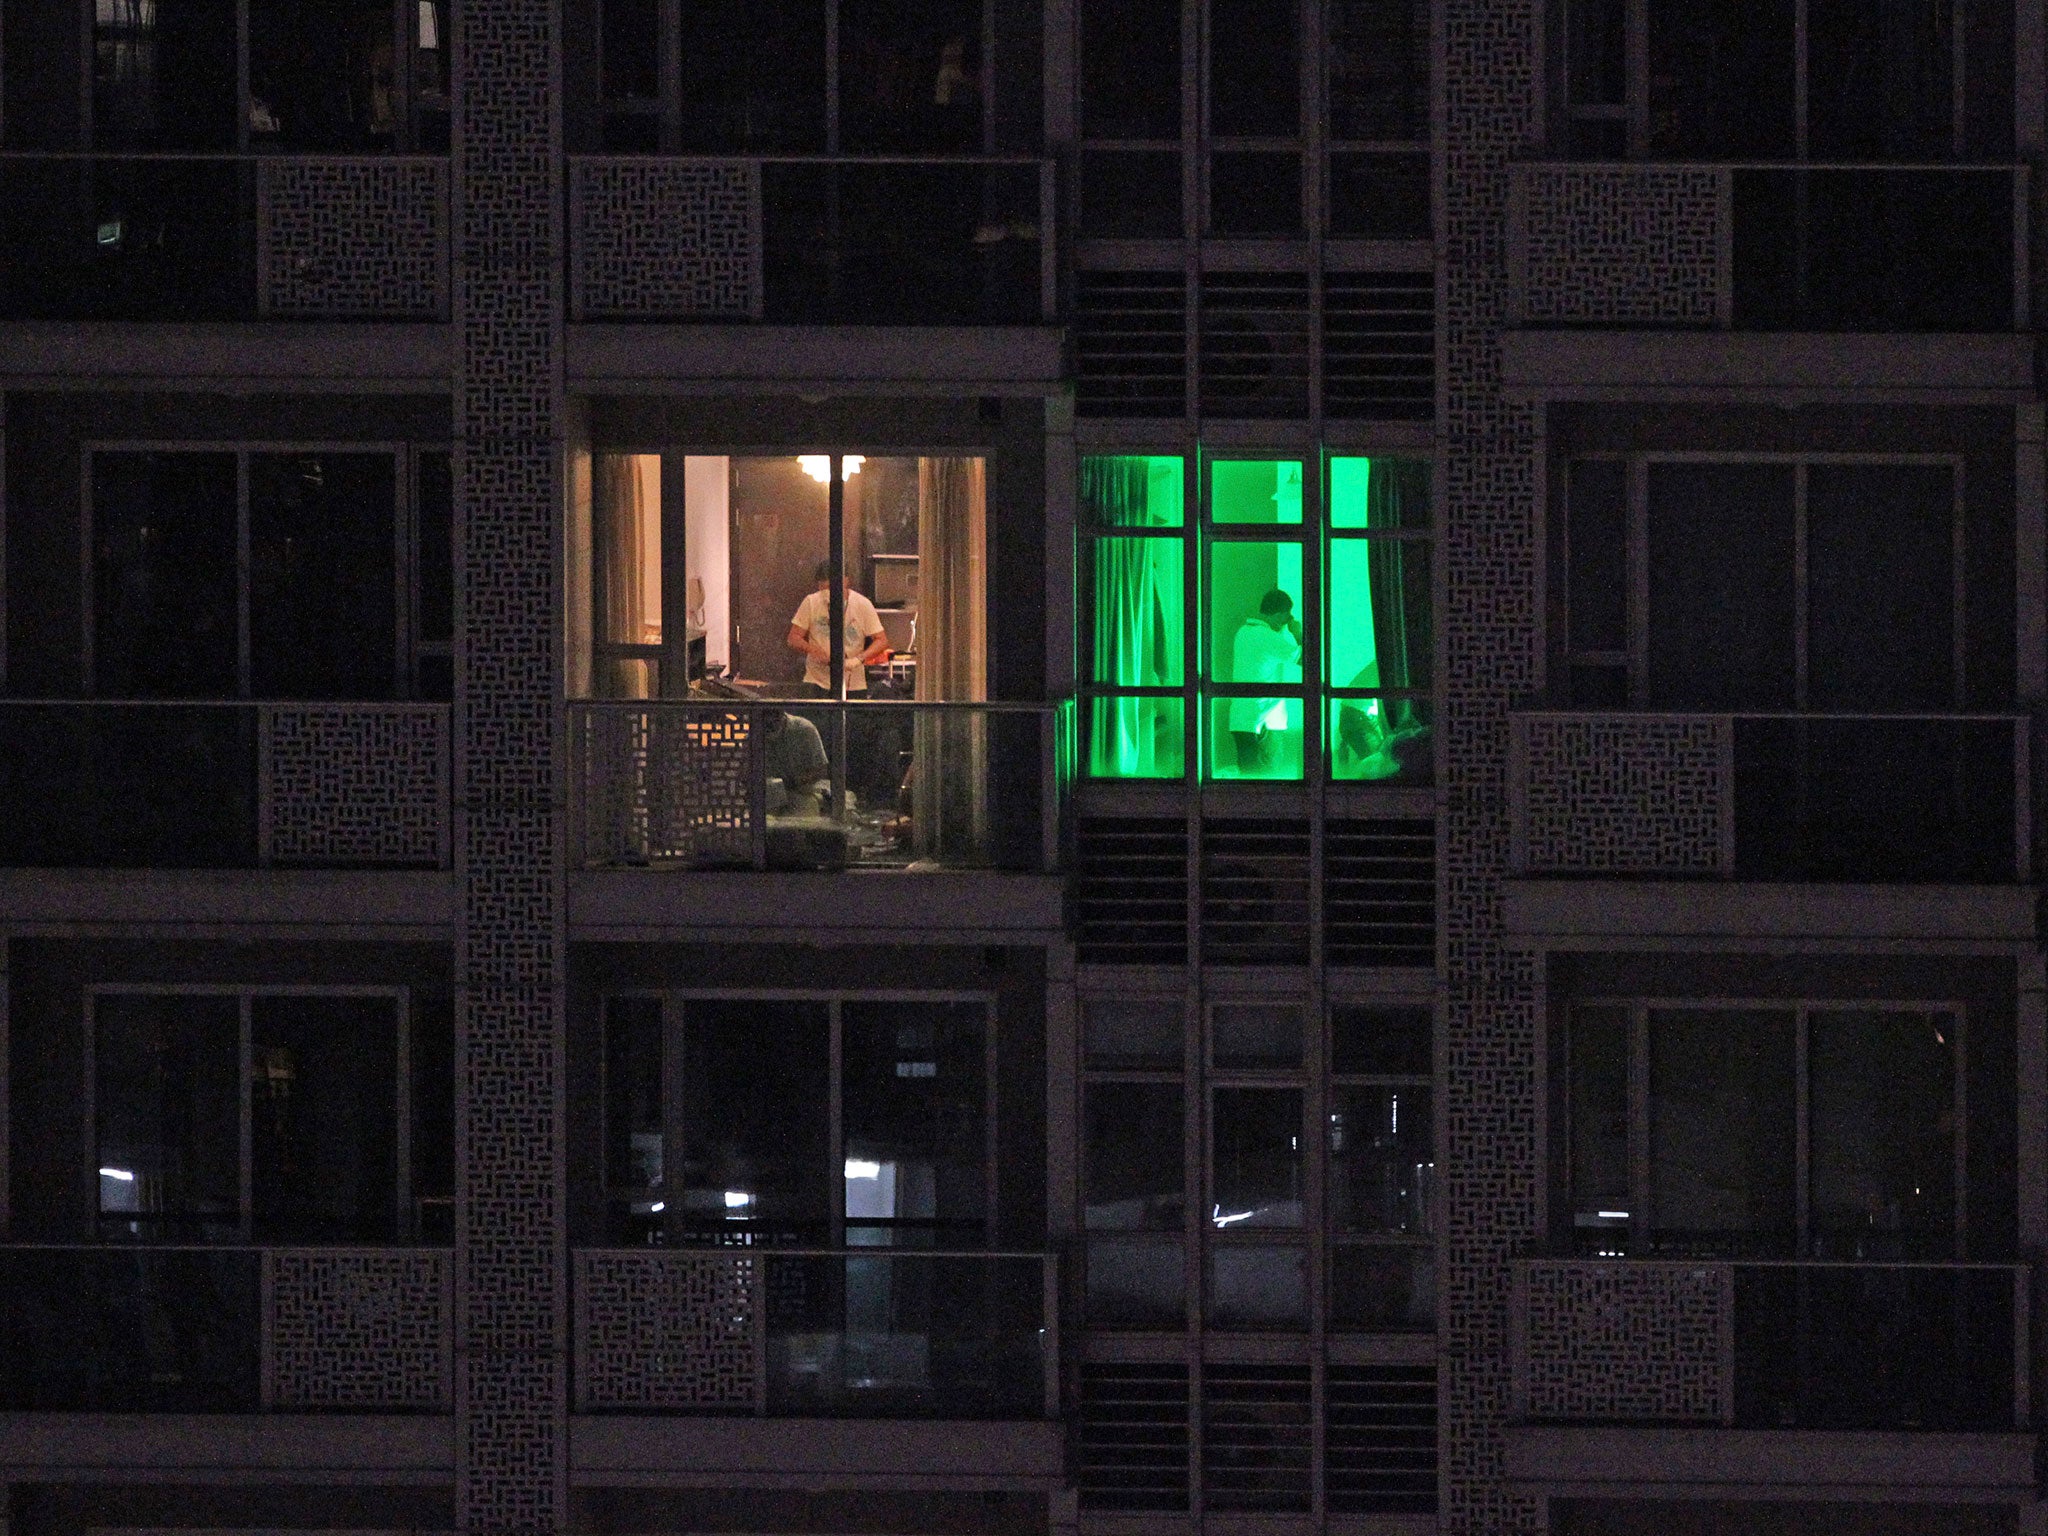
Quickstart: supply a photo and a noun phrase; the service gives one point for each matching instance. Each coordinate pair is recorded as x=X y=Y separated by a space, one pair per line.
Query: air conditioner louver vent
x=1379 y=1440
x=1131 y=890
x=1254 y=354
x=1132 y=1444
x=1379 y=893
x=1256 y=1435
x=1130 y=344
x=1379 y=346
x=1255 y=881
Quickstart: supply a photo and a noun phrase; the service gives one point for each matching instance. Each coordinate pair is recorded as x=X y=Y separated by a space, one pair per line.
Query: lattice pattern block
x=367 y=1329
x=346 y=239
x=665 y=239
x=1611 y=1341
x=355 y=784
x=1609 y=244
x=1627 y=794
x=698 y=801
x=668 y=1330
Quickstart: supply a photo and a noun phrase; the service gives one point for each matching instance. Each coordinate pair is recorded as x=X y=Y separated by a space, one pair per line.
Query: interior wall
x=707 y=547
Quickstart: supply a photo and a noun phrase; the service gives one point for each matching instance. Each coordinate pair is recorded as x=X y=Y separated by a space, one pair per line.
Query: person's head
x=1276 y=608
x=823 y=575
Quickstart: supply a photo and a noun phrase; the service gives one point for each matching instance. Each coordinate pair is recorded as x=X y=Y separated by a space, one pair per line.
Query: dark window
x=323 y=1120
x=753 y=75
x=167 y=1101
x=1254 y=69
x=1130 y=69
x=164 y=587
x=321 y=75
x=164 y=74
x=322 y=576
x=1721 y=79
x=1379 y=69
x=910 y=75
x=1721 y=569
x=756 y=1120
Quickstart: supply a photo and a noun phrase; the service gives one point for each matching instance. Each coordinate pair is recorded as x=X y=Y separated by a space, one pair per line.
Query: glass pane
x=756 y=1121
x=1382 y=1286
x=321 y=76
x=915 y=1106
x=163 y=529
x=1379 y=196
x=1598 y=1109
x=323 y=1118
x=1721 y=79
x=164 y=74
x=1382 y=1040
x=1131 y=1154
x=1382 y=1160
x=1133 y=1035
x=1255 y=1287
x=631 y=69
x=167 y=1097
x=1721 y=578
x=1880 y=79
x=1133 y=491
x=1136 y=1284
x=1130 y=69
x=1255 y=739
x=434 y=516
x=753 y=75
x=1255 y=490
x=1379 y=69
x=1254 y=192
x=1255 y=1035
x=1882 y=1122
x=1596 y=579
x=1137 y=738
x=1130 y=193
x=1255 y=1158
x=1722 y=1130
x=1596 y=53
x=322 y=576
x=1381 y=740
x=1140 y=598
x=1382 y=495
x=1254 y=69
x=1880 y=586
x=1380 y=604
x=633 y=1128
x=910 y=75
x=780 y=540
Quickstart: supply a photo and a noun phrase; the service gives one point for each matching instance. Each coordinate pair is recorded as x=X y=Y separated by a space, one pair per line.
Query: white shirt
x=814 y=617
x=1262 y=654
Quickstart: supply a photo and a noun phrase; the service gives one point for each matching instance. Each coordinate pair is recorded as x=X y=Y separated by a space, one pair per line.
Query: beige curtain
x=626 y=520
x=948 y=806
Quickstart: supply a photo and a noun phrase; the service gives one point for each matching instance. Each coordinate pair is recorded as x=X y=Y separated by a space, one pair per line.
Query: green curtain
x=1137 y=625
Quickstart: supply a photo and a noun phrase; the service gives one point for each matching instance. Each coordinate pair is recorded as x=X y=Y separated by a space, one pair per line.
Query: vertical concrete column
x=511 y=1263
x=1490 y=109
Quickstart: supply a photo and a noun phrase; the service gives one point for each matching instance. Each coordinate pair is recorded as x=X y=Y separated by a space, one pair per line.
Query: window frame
x=407 y=1212
x=407 y=651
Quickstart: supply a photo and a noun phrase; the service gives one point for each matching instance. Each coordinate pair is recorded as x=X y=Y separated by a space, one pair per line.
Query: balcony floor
x=1556 y=913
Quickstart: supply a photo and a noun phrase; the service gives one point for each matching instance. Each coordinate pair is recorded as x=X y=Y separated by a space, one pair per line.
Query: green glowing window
x=1377 y=621
x=1255 y=490
x=1133 y=491
x=1136 y=609
x=1254 y=607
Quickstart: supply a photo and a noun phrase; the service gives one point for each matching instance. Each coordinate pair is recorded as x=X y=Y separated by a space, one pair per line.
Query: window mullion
x=246 y=1127
x=1802 y=1099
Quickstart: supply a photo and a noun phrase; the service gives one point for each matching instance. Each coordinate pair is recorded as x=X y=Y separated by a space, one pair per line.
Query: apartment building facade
x=842 y=767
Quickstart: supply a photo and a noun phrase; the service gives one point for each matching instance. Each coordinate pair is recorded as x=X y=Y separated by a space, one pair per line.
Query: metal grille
x=1379 y=893
x=1609 y=1341
x=368 y=1329
x=1379 y=346
x=1255 y=878
x=1619 y=244
x=1130 y=344
x=1256 y=1438
x=669 y=1330
x=665 y=239
x=664 y=784
x=1132 y=1446
x=1131 y=890
x=1635 y=794
x=1379 y=1439
x=348 y=238
x=354 y=784
x=1254 y=352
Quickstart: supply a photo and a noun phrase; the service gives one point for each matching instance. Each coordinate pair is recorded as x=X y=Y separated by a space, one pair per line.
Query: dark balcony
x=223 y=237
x=226 y=1330
x=786 y=1333
x=1933 y=1348
x=1899 y=248
x=229 y=785
x=1923 y=799
x=875 y=241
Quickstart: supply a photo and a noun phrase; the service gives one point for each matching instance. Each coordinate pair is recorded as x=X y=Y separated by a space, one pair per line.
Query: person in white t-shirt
x=864 y=643
x=1266 y=649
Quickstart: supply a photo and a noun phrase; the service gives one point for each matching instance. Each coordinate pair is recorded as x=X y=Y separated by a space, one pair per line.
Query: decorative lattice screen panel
x=1618 y=1341
x=369 y=1329
x=1624 y=794
x=352 y=238
x=363 y=784
x=669 y=1330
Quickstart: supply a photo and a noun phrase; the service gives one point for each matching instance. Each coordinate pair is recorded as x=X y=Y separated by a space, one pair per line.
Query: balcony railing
x=678 y=784
x=223 y=237
x=227 y=1330
x=1772 y=1345
x=160 y=784
x=1906 y=798
x=845 y=1333
x=873 y=241
x=1771 y=247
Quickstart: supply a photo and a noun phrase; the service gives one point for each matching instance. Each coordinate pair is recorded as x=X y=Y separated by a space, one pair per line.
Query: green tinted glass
x=1255 y=738
x=1139 y=613
x=1379 y=493
x=1255 y=490
x=1251 y=628
x=1136 y=738
x=1133 y=491
x=1380 y=739
x=1379 y=613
